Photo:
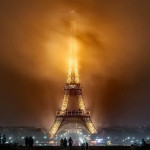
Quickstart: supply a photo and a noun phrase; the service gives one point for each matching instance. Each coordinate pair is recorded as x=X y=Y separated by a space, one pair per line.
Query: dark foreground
x=8 y=147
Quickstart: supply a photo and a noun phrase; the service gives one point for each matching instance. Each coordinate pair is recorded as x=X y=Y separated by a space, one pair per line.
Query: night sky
x=113 y=39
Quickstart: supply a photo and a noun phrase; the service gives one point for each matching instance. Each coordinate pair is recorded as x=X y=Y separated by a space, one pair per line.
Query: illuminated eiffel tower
x=72 y=89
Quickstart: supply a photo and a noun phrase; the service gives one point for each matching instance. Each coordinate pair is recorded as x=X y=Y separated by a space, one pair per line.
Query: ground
x=74 y=148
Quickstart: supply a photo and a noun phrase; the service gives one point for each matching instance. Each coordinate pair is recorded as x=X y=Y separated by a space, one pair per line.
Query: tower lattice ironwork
x=72 y=89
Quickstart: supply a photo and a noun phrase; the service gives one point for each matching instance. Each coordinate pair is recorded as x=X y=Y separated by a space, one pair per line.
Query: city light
x=80 y=139
x=109 y=143
x=37 y=142
x=99 y=140
x=45 y=137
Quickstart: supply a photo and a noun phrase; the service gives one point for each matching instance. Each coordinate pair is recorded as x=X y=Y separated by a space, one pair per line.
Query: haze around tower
x=113 y=60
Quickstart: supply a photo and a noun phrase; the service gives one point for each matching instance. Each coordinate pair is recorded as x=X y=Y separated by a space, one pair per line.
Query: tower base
x=76 y=131
x=72 y=122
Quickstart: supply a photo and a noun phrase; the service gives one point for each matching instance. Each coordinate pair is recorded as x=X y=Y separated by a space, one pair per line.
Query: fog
x=113 y=57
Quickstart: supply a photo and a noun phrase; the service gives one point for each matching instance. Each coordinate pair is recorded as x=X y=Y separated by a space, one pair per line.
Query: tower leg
x=55 y=127
x=90 y=125
x=81 y=103
x=65 y=103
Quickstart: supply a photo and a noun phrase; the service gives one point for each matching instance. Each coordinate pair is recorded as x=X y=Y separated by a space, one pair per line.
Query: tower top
x=73 y=75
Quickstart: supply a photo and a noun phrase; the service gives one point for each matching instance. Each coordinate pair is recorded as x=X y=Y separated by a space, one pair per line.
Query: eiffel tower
x=72 y=89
